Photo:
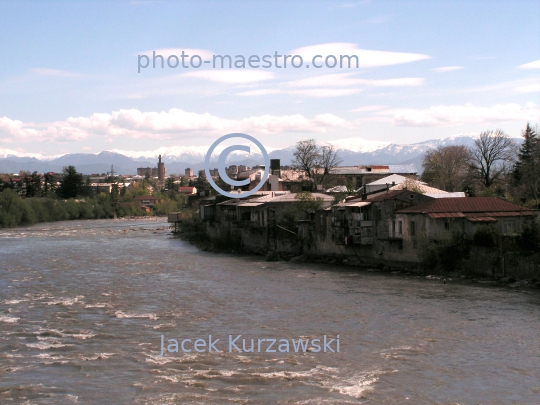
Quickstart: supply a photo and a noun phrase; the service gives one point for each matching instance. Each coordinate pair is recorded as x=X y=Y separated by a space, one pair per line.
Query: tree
x=305 y=204
x=328 y=160
x=71 y=184
x=33 y=184
x=201 y=183
x=315 y=161
x=169 y=183
x=490 y=155
x=306 y=157
x=49 y=183
x=527 y=167
x=446 y=167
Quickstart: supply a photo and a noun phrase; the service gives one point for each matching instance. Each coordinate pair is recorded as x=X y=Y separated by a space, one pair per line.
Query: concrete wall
x=490 y=262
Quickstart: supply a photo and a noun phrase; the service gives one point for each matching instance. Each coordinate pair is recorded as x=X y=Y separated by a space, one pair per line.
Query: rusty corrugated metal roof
x=447 y=215
x=469 y=205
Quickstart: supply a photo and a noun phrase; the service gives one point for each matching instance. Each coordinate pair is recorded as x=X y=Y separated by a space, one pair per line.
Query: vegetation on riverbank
x=71 y=198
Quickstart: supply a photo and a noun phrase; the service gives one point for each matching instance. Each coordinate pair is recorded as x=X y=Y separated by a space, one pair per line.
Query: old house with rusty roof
x=463 y=216
x=358 y=176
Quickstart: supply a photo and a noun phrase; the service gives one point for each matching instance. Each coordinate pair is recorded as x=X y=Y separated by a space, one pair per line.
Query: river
x=84 y=306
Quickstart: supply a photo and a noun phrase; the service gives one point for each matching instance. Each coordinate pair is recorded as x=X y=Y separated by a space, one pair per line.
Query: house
x=398 y=182
x=463 y=216
x=358 y=176
x=146 y=200
x=187 y=190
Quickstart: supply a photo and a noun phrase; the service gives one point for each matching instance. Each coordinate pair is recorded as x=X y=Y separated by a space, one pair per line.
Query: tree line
x=494 y=165
x=70 y=196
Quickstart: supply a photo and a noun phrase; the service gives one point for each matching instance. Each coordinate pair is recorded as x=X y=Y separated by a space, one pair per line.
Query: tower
x=161 y=170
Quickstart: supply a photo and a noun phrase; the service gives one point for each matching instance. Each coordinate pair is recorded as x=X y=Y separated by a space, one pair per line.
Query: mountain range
x=352 y=151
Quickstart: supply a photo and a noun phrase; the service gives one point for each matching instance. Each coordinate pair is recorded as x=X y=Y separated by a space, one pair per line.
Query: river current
x=84 y=306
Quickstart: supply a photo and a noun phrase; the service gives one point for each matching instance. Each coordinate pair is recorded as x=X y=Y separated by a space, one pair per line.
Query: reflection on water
x=83 y=306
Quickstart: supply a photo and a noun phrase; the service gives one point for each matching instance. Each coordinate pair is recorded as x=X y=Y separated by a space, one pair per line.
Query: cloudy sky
x=70 y=82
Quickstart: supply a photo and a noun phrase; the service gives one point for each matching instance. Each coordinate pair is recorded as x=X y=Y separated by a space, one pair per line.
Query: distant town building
x=146 y=200
x=232 y=170
x=187 y=190
x=214 y=172
x=189 y=172
x=152 y=171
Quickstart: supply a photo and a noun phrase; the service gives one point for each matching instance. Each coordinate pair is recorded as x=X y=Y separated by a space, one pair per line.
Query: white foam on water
x=98 y=305
x=100 y=356
x=356 y=386
x=82 y=335
x=8 y=319
x=44 y=345
x=321 y=401
x=120 y=314
x=173 y=378
x=12 y=302
x=164 y=325
x=65 y=301
x=158 y=360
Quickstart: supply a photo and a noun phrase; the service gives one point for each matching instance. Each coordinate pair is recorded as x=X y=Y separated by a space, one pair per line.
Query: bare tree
x=492 y=154
x=306 y=157
x=315 y=161
x=328 y=159
x=446 y=167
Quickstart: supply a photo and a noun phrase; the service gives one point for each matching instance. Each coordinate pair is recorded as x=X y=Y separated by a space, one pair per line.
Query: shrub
x=446 y=253
x=486 y=235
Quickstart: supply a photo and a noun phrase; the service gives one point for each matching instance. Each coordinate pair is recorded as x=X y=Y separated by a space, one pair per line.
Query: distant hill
x=353 y=151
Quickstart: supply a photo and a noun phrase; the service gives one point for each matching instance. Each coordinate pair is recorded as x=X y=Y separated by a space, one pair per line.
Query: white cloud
x=54 y=73
x=231 y=76
x=400 y=82
x=447 y=69
x=137 y=124
x=531 y=65
x=166 y=52
x=260 y=92
x=453 y=115
x=322 y=93
x=369 y=108
x=348 y=79
x=334 y=80
x=317 y=92
x=366 y=58
x=529 y=88
x=13 y=130
x=328 y=85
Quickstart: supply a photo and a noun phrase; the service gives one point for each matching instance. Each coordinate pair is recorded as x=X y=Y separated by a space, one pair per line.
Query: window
x=509 y=227
x=393 y=227
x=413 y=228
x=447 y=225
x=400 y=227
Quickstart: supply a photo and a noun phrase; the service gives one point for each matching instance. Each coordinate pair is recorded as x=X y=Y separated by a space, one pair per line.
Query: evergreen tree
x=71 y=184
x=527 y=168
x=33 y=184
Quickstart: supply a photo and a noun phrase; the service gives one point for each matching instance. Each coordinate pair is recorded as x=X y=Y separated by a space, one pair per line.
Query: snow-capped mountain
x=193 y=154
x=352 y=151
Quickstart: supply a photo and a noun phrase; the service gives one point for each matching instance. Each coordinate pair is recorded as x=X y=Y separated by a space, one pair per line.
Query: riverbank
x=201 y=241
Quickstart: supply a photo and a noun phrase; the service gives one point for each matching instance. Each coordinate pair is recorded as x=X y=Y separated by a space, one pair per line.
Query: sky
x=70 y=80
